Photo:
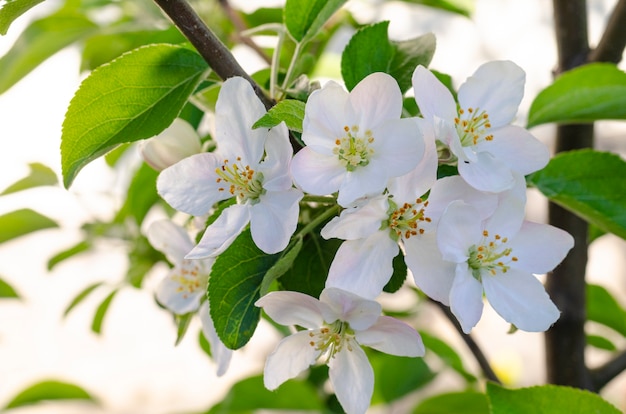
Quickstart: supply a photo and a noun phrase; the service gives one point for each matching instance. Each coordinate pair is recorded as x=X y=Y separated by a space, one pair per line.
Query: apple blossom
x=176 y=142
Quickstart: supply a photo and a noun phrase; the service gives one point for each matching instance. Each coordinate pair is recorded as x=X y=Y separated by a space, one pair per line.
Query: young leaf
x=408 y=54
x=80 y=297
x=39 y=175
x=590 y=184
x=80 y=247
x=399 y=274
x=182 y=324
x=7 y=291
x=398 y=376
x=543 y=400
x=289 y=110
x=468 y=402
x=585 y=94
x=234 y=287
x=49 y=390
x=600 y=342
x=11 y=10
x=42 y=39
x=98 y=319
x=134 y=97
x=21 y=222
x=604 y=309
x=447 y=354
x=304 y=18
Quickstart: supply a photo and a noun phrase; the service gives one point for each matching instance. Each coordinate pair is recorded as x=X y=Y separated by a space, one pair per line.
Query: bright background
x=133 y=366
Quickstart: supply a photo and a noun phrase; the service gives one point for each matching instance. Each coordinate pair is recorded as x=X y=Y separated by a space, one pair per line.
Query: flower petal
x=539 y=248
x=220 y=353
x=517 y=148
x=391 y=336
x=459 y=228
x=221 y=233
x=448 y=189
x=276 y=164
x=359 y=221
x=466 y=298
x=291 y=356
x=360 y=183
x=274 y=218
x=316 y=173
x=375 y=99
x=487 y=173
x=521 y=299
x=176 y=142
x=177 y=296
x=364 y=266
x=170 y=239
x=352 y=377
x=292 y=308
x=325 y=116
x=398 y=147
x=432 y=97
x=359 y=312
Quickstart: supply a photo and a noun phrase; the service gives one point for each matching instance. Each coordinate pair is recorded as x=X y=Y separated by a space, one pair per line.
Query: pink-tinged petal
x=521 y=299
x=170 y=239
x=292 y=308
x=291 y=356
x=487 y=173
x=391 y=336
x=176 y=142
x=432 y=274
x=274 y=218
x=466 y=298
x=359 y=221
x=359 y=312
x=496 y=87
x=449 y=189
x=517 y=148
x=432 y=97
x=315 y=173
x=276 y=164
x=375 y=99
x=236 y=110
x=507 y=219
x=459 y=228
x=539 y=248
x=398 y=147
x=363 y=266
x=219 y=352
x=359 y=183
x=177 y=296
x=352 y=377
x=222 y=232
x=190 y=185
x=325 y=116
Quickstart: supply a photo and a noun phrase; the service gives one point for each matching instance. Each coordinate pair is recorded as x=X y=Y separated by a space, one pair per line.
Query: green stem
x=292 y=65
x=316 y=222
x=319 y=199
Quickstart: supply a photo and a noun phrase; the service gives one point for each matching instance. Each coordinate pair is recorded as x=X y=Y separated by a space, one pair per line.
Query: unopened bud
x=178 y=141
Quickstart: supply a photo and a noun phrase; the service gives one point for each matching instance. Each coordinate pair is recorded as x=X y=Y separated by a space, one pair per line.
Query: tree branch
x=471 y=344
x=207 y=44
x=611 y=46
x=603 y=374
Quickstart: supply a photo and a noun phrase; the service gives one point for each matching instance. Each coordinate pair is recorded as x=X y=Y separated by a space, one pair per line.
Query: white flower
x=478 y=132
x=336 y=326
x=183 y=289
x=176 y=142
x=250 y=165
x=356 y=141
x=499 y=256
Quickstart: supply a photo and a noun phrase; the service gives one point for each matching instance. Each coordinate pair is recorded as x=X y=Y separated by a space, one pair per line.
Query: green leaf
x=141 y=195
x=604 y=309
x=134 y=97
x=546 y=399
x=305 y=18
x=21 y=222
x=399 y=274
x=287 y=258
x=39 y=175
x=589 y=183
x=408 y=55
x=588 y=93
x=290 y=111
x=7 y=291
x=234 y=287
x=141 y=257
x=40 y=40
x=98 y=319
x=49 y=390
x=204 y=343
x=462 y=7
x=397 y=376
x=78 y=248
x=468 y=402
x=80 y=297
x=600 y=342
x=11 y=10
x=447 y=354
x=182 y=324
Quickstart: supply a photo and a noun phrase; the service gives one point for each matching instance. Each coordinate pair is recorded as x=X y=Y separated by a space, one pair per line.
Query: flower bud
x=178 y=141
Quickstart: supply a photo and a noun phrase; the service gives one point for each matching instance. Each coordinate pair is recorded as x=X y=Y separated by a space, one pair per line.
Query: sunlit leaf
x=468 y=402
x=98 y=319
x=290 y=111
x=78 y=248
x=39 y=175
x=304 y=18
x=81 y=296
x=21 y=222
x=47 y=391
x=13 y=9
x=7 y=291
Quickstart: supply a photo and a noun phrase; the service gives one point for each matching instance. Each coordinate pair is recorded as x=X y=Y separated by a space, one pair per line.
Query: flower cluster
x=461 y=236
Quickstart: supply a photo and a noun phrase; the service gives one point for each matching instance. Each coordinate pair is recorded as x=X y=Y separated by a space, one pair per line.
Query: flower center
x=188 y=277
x=332 y=338
x=241 y=181
x=405 y=221
x=352 y=150
x=490 y=255
x=473 y=125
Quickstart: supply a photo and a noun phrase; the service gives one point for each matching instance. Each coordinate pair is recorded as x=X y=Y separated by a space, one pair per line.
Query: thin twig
x=603 y=374
x=471 y=344
x=611 y=46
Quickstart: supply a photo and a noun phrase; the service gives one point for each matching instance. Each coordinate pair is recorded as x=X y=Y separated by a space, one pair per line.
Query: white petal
x=358 y=222
x=448 y=189
x=236 y=110
x=459 y=228
x=178 y=141
x=432 y=97
x=364 y=266
x=362 y=182
x=398 y=147
x=222 y=232
x=176 y=296
x=276 y=166
x=466 y=298
x=359 y=312
x=392 y=336
x=220 y=353
x=521 y=299
x=190 y=185
x=316 y=173
x=274 y=218
x=487 y=173
x=517 y=148
x=496 y=87
x=507 y=219
x=353 y=379
x=375 y=99
x=291 y=356
x=325 y=116
x=539 y=247
x=170 y=239
x=292 y=308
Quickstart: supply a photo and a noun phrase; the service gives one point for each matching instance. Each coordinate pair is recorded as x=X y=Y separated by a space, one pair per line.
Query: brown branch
x=603 y=374
x=611 y=46
x=216 y=54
